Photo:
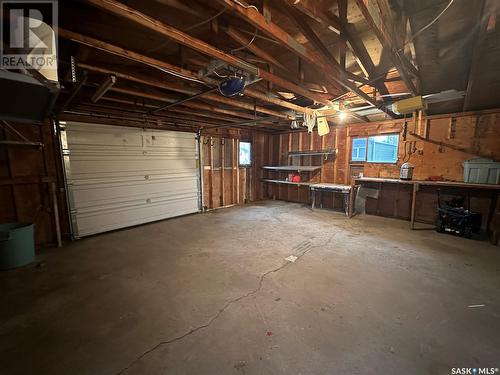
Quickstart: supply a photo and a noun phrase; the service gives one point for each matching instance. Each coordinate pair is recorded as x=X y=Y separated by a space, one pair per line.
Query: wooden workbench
x=345 y=190
x=445 y=184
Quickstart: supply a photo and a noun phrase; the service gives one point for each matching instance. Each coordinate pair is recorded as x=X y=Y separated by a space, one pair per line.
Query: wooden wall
x=273 y=150
x=225 y=183
x=26 y=175
x=439 y=145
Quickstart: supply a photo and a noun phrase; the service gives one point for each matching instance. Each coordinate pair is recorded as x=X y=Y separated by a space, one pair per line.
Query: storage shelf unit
x=313 y=153
x=288 y=182
x=298 y=168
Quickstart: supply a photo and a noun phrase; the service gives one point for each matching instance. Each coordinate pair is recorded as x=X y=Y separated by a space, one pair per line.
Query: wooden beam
x=325 y=67
x=318 y=44
x=311 y=36
x=151 y=23
x=349 y=37
x=191 y=91
x=372 y=16
x=192 y=116
x=347 y=30
x=342 y=5
x=173 y=86
x=313 y=9
x=119 y=109
x=190 y=8
x=130 y=55
x=202 y=106
x=482 y=22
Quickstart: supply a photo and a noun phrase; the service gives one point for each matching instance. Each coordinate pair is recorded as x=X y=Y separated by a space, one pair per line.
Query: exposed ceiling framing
x=304 y=56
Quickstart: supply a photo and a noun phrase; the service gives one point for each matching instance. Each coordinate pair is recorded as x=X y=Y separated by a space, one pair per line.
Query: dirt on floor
x=213 y=294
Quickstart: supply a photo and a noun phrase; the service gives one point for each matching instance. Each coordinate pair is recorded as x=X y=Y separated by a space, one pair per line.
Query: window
x=245 y=154
x=376 y=149
x=359 y=149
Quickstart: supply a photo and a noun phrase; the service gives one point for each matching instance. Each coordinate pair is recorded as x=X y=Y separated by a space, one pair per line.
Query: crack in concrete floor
x=303 y=248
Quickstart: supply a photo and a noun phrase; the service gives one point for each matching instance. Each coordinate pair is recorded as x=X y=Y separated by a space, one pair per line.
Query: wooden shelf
x=298 y=168
x=312 y=153
x=287 y=182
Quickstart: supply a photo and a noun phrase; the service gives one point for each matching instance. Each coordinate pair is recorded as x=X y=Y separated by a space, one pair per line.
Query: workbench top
x=329 y=186
x=429 y=183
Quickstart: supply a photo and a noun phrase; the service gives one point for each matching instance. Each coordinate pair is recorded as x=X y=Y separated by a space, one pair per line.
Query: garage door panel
x=96 y=137
x=120 y=176
x=125 y=205
x=106 y=221
x=141 y=167
x=129 y=177
x=97 y=194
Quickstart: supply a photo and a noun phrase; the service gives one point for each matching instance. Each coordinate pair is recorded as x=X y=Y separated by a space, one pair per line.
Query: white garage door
x=122 y=176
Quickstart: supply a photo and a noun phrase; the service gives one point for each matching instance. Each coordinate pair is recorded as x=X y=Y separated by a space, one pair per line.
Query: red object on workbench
x=296 y=178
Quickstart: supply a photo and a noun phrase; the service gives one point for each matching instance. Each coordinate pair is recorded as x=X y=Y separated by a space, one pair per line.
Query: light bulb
x=342 y=115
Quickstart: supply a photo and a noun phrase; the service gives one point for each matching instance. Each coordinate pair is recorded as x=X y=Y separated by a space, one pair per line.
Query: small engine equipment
x=453 y=217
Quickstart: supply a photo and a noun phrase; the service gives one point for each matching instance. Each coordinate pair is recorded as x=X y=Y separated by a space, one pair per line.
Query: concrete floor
x=212 y=294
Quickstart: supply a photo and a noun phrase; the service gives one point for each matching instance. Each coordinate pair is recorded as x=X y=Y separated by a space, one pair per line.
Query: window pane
x=383 y=148
x=358 y=149
x=245 y=153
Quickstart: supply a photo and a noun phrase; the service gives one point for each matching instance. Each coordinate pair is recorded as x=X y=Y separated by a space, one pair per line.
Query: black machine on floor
x=454 y=217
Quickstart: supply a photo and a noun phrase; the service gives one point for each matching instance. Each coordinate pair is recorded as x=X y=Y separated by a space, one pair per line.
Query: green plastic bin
x=17 y=245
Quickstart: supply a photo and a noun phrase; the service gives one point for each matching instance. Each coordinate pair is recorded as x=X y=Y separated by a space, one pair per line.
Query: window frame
x=251 y=154
x=367 y=149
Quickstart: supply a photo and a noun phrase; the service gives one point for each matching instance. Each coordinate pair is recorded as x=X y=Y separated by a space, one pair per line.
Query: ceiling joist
x=180 y=37
x=323 y=65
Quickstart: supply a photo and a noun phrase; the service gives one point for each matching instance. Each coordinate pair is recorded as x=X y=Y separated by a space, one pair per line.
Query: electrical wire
x=245 y=6
x=219 y=75
x=430 y=23
x=205 y=21
x=181 y=75
x=248 y=44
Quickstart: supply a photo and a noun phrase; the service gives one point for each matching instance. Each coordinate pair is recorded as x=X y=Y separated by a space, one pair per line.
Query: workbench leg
x=351 y=201
x=313 y=192
x=413 y=205
x=346 y=204
x=492 y=210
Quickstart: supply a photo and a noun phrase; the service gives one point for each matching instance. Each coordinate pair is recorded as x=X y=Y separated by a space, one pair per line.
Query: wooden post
x=413 y=205
x=237 y=171
x=55 y=207
x=352 y=193
x=211 y=174
x=233 y=172
x=222 y=161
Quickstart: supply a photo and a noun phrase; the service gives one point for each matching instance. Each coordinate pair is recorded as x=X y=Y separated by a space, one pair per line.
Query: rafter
x=372 y=15
x=183 y=113
x=193 y=105
x=134 y=15
x=176 y=87
x=474 y=65
x=352 y=41
x=322 y=64
x=316 y=41
x=109 y=48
